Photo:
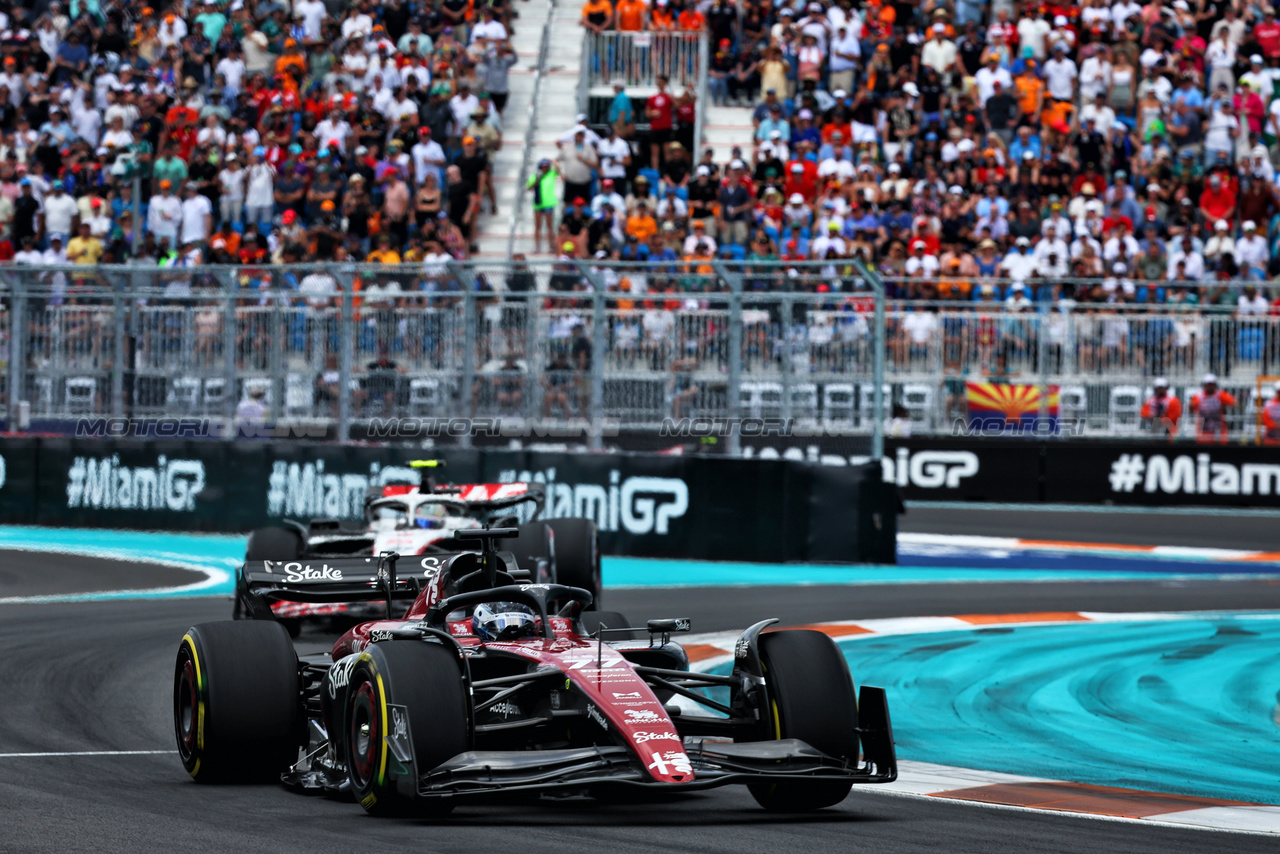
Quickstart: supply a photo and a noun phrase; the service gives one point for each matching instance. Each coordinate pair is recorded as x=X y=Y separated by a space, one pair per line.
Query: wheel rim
x=363 y=736
x=186 y=711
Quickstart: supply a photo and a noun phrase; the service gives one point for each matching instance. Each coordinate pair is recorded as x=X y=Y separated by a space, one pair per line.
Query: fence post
x=229 y=357
x=599 y=331
x=733 y=400
x=346 y=332
x=877 y=358
x=1042 y=357
x=17 y=351
x=468 y=282
x=282 y=323
x=119 y=309
x=788 y=350
x=699 y=115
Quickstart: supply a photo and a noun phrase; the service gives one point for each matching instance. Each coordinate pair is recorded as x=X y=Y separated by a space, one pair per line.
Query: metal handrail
x=531 y=125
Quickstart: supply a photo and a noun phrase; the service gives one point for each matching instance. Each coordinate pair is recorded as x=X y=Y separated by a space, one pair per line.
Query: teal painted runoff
x=1187 y=705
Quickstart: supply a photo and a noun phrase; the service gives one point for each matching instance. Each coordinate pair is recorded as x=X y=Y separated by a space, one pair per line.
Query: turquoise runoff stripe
x=1188 y=705
x=1109 y=509
x=623 y=572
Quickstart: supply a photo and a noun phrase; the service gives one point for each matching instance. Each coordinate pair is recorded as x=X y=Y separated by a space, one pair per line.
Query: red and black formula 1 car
x=495 y=683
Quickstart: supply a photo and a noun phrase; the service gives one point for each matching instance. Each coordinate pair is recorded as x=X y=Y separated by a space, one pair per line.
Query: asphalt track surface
x=96 y=676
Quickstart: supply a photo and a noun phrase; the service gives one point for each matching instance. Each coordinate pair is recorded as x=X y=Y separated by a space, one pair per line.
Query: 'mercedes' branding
x=102 y=483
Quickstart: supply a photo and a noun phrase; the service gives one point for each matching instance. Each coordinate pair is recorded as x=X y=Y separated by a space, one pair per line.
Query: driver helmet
x=430 y=516
x=500 y=621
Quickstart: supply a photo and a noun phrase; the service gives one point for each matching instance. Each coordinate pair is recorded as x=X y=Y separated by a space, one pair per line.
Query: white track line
x=88 y=753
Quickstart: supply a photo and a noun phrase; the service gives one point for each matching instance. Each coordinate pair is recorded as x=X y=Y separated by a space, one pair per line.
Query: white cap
x=796 y=199
x=1181 y=4
x=1119 y=267
x=1061 y=20
x=965 y=145
x=1210 y=378
x=1028 y=155
x=1161 y=382
x=704 y=169
x=737 y=164
x=939 y=28
x=895 y=168
x=1220 y=225
x=767 y=148
x=1249 y=225
x=1256 y=59
x=840 y=94
x=956 y=190
x=1018 y=286
x=775 y=134
x=580 y=118
x=806 y=114
x=911 y=89
x=1022 y=241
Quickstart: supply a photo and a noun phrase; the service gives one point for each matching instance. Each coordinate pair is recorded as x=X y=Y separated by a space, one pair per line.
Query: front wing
x=715 y=763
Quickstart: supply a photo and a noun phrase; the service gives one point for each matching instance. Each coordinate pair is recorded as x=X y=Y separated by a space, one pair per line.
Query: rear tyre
x=577 y=545
x=425 y=679
x=275 y=544
x=592 y=620
x=237 y=701
x=532 y=545
x=811 y=697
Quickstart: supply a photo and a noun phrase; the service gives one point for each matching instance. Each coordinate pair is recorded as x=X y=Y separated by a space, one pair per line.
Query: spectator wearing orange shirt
x=662 y=18
x=630 y=15
x=641 y=225
x=1271 y=419
x=597 y=15
x=1210 y=405
x=292 y=61
x=1162 y=411
x=691 y=20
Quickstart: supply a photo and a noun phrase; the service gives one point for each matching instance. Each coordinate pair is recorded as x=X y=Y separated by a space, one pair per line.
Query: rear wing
x=388 y=576
x=495 y=496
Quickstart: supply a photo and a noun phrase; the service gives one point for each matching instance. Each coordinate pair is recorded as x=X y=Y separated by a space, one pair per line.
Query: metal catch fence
x=341 y=345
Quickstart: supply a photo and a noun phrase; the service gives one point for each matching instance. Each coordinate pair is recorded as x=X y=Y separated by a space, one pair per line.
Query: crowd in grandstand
x=950 y=144
x=958 y=143
x=249 y=130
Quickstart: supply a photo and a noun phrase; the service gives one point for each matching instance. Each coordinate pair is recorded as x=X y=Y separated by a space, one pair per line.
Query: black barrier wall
x=1138 y=473
x=711 y=508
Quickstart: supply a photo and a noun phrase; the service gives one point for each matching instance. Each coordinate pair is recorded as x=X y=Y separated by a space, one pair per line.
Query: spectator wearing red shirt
x=1218 y=201
x=802 y=178
x=1114 y=217
x=660 y=110
x=1267 y=34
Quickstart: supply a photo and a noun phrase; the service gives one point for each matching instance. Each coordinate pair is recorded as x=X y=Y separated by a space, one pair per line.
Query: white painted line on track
x=87 y=753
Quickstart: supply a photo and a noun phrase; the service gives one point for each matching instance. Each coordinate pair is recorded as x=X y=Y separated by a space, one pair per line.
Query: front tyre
x=406 y=713
x=237 y=701
x=810 y=696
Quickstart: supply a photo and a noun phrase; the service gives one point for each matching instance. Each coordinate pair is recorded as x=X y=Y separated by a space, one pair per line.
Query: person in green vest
x=543 y=185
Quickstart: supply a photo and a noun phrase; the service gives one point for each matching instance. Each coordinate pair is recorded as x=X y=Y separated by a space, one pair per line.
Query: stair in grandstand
x=724 y=128
x=522 y=145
